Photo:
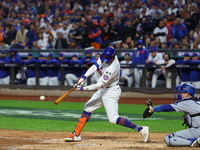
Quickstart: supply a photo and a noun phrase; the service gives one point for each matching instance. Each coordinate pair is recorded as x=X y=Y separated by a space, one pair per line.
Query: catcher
x=190 y=105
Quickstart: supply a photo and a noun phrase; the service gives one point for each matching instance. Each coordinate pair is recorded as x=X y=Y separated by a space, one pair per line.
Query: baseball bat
x=64 y=95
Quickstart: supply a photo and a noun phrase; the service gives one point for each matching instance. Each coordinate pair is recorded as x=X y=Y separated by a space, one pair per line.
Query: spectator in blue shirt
x=179 y=30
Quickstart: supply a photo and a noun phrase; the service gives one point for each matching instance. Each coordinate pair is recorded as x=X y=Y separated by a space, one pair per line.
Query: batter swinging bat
x=64 y=95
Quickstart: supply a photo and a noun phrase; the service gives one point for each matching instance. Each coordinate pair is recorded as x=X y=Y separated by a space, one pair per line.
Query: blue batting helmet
x=108 y=54
x=177 y=95
x=188 y=88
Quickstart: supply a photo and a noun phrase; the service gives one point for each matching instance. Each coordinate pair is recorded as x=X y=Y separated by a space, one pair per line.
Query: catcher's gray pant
x=109 y=98
x=5 y=80
x=182 y=138
x=155 y=76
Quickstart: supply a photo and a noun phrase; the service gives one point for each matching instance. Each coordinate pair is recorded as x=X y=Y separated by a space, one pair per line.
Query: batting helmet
x=188 y=88
x=177 y=95
x=108 y=54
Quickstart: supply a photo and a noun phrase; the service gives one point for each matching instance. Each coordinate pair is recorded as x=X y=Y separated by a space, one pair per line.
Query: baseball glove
x=147 y=112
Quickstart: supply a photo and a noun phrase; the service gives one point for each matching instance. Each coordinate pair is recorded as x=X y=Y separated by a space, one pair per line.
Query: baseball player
x=107 y=95
x=30 y=70
x=52 y=71
x=127 y=73
x=190 y=105
x=74 y=73
x=195 y=73
x=167 y=62
x=62 y=60
x=155 y=58
x=185 y=73
x=15 y=58
x=4 y=71
x=43 y=75
x=140 y=55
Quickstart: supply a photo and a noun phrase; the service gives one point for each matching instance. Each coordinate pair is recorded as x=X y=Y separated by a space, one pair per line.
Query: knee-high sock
x=127 y=123
x=85 y=117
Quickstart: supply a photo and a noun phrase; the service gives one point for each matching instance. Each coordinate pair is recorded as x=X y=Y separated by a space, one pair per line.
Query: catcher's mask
x=177 y=95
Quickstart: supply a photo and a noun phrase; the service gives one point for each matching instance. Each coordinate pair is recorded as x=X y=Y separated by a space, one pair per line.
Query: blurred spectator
x=10 y=34
x=95 y=36
x=179 y=30
x=126 y=75
x=128 y=43
x=21 y=34
x=61 y=42
x=51 y=42
x=161 y=32
x=42 y=43
x=156 y=20
x=73 y=45
x=129 y=31
x=154 y=58
x=4 y=45
x=195 y=73
x=4 y=71
x=140 y=55
x=30 y=36
x=75 y=33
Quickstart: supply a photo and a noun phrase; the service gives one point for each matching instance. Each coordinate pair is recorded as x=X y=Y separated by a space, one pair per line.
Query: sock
x=85 y=117
x=126 y=123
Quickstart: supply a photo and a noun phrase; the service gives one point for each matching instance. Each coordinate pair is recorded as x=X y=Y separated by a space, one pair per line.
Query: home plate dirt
x=28 y=140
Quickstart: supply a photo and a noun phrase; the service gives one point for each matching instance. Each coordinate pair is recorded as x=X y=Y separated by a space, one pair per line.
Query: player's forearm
x=163 y=108
x=90 y=71
x=93 y=86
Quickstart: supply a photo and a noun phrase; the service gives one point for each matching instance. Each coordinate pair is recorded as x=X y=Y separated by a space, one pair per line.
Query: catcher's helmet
x=177 y=95
x=188 y=88
x=108 y=54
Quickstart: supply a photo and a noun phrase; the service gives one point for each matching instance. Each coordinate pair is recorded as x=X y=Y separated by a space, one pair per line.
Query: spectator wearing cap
x=184 y=72
x=52 y=71
x=161 y=32
x=21 y=71
x=154 y=58
x=4 y=71
x=10 y=34
x=30 y=35
x=74 y=73
x=179 y=30
x=95 y=16
x=195 y=73
x=21 y=34
x=61 y=42
x=140 y=55
x=30 y=70
x=156 y=19
x=65 y=31
x=75 y=33
x=95 y=36
x=43 y=75
x=62 y=60
x=129 y=31
x=126 y=74
x=73 y=45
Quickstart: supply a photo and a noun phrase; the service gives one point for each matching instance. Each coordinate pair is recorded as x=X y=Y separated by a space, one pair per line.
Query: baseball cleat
x=196 y=143
x=145 y=133
x=73 y=138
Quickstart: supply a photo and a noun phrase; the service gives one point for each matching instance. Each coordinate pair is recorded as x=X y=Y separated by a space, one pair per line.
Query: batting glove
x=78 y=88
x=81 y=80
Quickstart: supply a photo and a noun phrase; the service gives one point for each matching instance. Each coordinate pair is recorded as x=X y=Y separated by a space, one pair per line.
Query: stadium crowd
x=142 y=25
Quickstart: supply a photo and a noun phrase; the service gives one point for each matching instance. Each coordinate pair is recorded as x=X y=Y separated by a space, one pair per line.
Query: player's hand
x=78 y=87
x=81 y=80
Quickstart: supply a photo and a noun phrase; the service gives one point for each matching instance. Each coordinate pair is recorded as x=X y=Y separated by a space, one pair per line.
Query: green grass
x=45 y=116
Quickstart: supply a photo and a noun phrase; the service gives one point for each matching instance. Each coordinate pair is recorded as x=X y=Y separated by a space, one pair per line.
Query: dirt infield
x=20 y=140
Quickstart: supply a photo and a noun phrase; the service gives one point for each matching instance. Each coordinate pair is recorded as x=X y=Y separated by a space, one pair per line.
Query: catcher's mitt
x=147 y=112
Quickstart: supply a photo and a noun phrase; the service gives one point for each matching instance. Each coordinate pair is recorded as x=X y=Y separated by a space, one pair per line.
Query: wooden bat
x=63 y=96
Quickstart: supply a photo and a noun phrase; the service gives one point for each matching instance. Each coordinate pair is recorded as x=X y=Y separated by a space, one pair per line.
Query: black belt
x=109 y=86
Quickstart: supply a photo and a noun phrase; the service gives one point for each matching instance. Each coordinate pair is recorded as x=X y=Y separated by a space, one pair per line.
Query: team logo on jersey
x=105 y=77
